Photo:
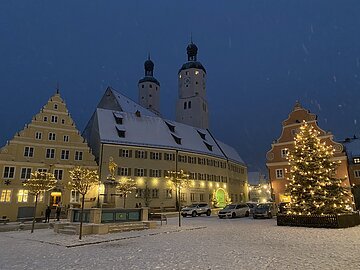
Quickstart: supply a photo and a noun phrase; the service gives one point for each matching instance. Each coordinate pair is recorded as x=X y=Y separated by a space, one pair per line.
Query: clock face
x=187 y=80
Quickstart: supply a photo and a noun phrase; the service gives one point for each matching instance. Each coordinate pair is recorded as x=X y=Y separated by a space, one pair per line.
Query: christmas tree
x=313 y=188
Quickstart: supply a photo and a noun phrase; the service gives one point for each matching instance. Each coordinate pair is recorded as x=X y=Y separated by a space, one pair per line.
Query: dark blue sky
x=260 y=56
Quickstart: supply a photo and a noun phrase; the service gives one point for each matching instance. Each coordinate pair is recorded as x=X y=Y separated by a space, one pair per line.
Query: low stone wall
x=320 y=221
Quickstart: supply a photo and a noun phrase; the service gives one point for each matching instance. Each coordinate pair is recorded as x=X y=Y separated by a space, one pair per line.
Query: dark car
x=265 y=210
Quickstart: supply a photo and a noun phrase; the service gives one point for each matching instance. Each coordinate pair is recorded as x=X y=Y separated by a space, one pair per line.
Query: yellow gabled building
x=52 y=143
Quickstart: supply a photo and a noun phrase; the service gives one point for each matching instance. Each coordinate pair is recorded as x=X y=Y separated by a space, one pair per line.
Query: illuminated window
x=75 y=196
x=284 y=152
x=40 y=197
x=196 y=72
x=9 y=172
x=356 y=160
x=28 y=151
x=5 y=195
x=279 y=173
x=23 y=195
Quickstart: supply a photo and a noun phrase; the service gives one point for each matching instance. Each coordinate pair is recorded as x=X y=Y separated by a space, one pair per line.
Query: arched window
x=184 y=105
x=189 y=106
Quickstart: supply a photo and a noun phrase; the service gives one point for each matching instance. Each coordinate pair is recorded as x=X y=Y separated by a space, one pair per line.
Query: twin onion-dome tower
x=191 y=107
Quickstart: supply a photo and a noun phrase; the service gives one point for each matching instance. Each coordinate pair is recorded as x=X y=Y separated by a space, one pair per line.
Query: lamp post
x=179 y=179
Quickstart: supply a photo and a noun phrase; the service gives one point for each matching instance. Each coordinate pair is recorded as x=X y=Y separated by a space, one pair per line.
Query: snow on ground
x=201 y=243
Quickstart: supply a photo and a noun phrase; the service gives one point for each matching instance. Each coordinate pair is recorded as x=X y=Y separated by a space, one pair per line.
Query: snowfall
x=200 y=243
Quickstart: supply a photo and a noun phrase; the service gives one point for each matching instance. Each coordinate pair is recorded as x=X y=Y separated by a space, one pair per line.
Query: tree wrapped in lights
x=313 y=188
x=125 y=186
x=82 y=180
x=39 y=182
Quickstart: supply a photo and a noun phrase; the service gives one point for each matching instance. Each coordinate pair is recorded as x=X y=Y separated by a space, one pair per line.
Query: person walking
x=47 y=214
x=58 y=212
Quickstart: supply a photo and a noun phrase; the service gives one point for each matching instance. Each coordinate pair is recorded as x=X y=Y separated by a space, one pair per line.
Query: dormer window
x=170 y=126
x=121 y=132
x=209 y=146
x=177 y=139
x=118 y=119
x=202 y=135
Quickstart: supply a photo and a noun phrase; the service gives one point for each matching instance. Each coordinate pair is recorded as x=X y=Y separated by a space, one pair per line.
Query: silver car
x=235 y=210
x=196 y=209
x=265 y=210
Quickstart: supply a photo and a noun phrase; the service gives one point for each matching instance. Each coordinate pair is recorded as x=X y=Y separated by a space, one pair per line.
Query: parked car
x=252 y=206
x=265 y=210
x=282 y=207
x=196 y=209
x=235 y=210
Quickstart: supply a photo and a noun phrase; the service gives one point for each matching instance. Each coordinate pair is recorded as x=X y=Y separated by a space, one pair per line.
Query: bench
x=158 y=216
x=4 y=220
x=37 y=219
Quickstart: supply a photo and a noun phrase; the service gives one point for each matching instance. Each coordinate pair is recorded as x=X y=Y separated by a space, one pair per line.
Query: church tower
x=191 y=107
x=149 y=89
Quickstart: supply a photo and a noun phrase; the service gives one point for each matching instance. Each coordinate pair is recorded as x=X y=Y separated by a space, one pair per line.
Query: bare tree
x=39 y=182
x=125 y=186
x=179 y=180
x=82 y=180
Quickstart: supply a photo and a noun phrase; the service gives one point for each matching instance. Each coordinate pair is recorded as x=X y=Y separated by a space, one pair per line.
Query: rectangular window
x=126 y=153
x=52 y=136
x=202 y=197
x=140 y=172
x=284 y=152
x=168 y=156
x=50 y=153
x=5 y=195
x=25 y=173
x=192 y=160
x=54 y=119
x=169 y=193
x=155 y=193
x=23 y=195
x=28 y=151
x=78 y=155
x=356 y=160
x=123 y=171
x=9 y=172
x=182 y=158
x=66 y=138
x=155 y=155
x=279 y=173
x=75 y=196
x=357 y=174
x=45 y=118
x=40 y=197
x=64 y=154
x=140 y=154
x=138 y=193
x=183 y=197
x=155 y=173
x=201 y=161
x=42 y=170
x=192 y=197
x=58 y=174
x=38 y=135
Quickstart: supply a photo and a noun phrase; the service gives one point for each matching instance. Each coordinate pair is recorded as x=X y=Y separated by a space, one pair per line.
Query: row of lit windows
x=25 y=173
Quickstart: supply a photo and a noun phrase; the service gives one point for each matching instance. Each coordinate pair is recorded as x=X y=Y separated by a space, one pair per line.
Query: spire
x=192 y=50
x=149 y=67
x=57 y=88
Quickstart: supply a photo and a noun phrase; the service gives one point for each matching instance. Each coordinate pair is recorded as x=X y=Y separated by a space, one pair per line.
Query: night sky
x=260 y=57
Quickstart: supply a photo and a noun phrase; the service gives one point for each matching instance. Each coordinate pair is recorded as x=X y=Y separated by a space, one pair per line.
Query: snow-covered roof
x=352 y=147
x=132 y=124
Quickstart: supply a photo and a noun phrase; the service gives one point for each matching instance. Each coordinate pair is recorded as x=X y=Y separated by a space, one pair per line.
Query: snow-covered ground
x=201 y=243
